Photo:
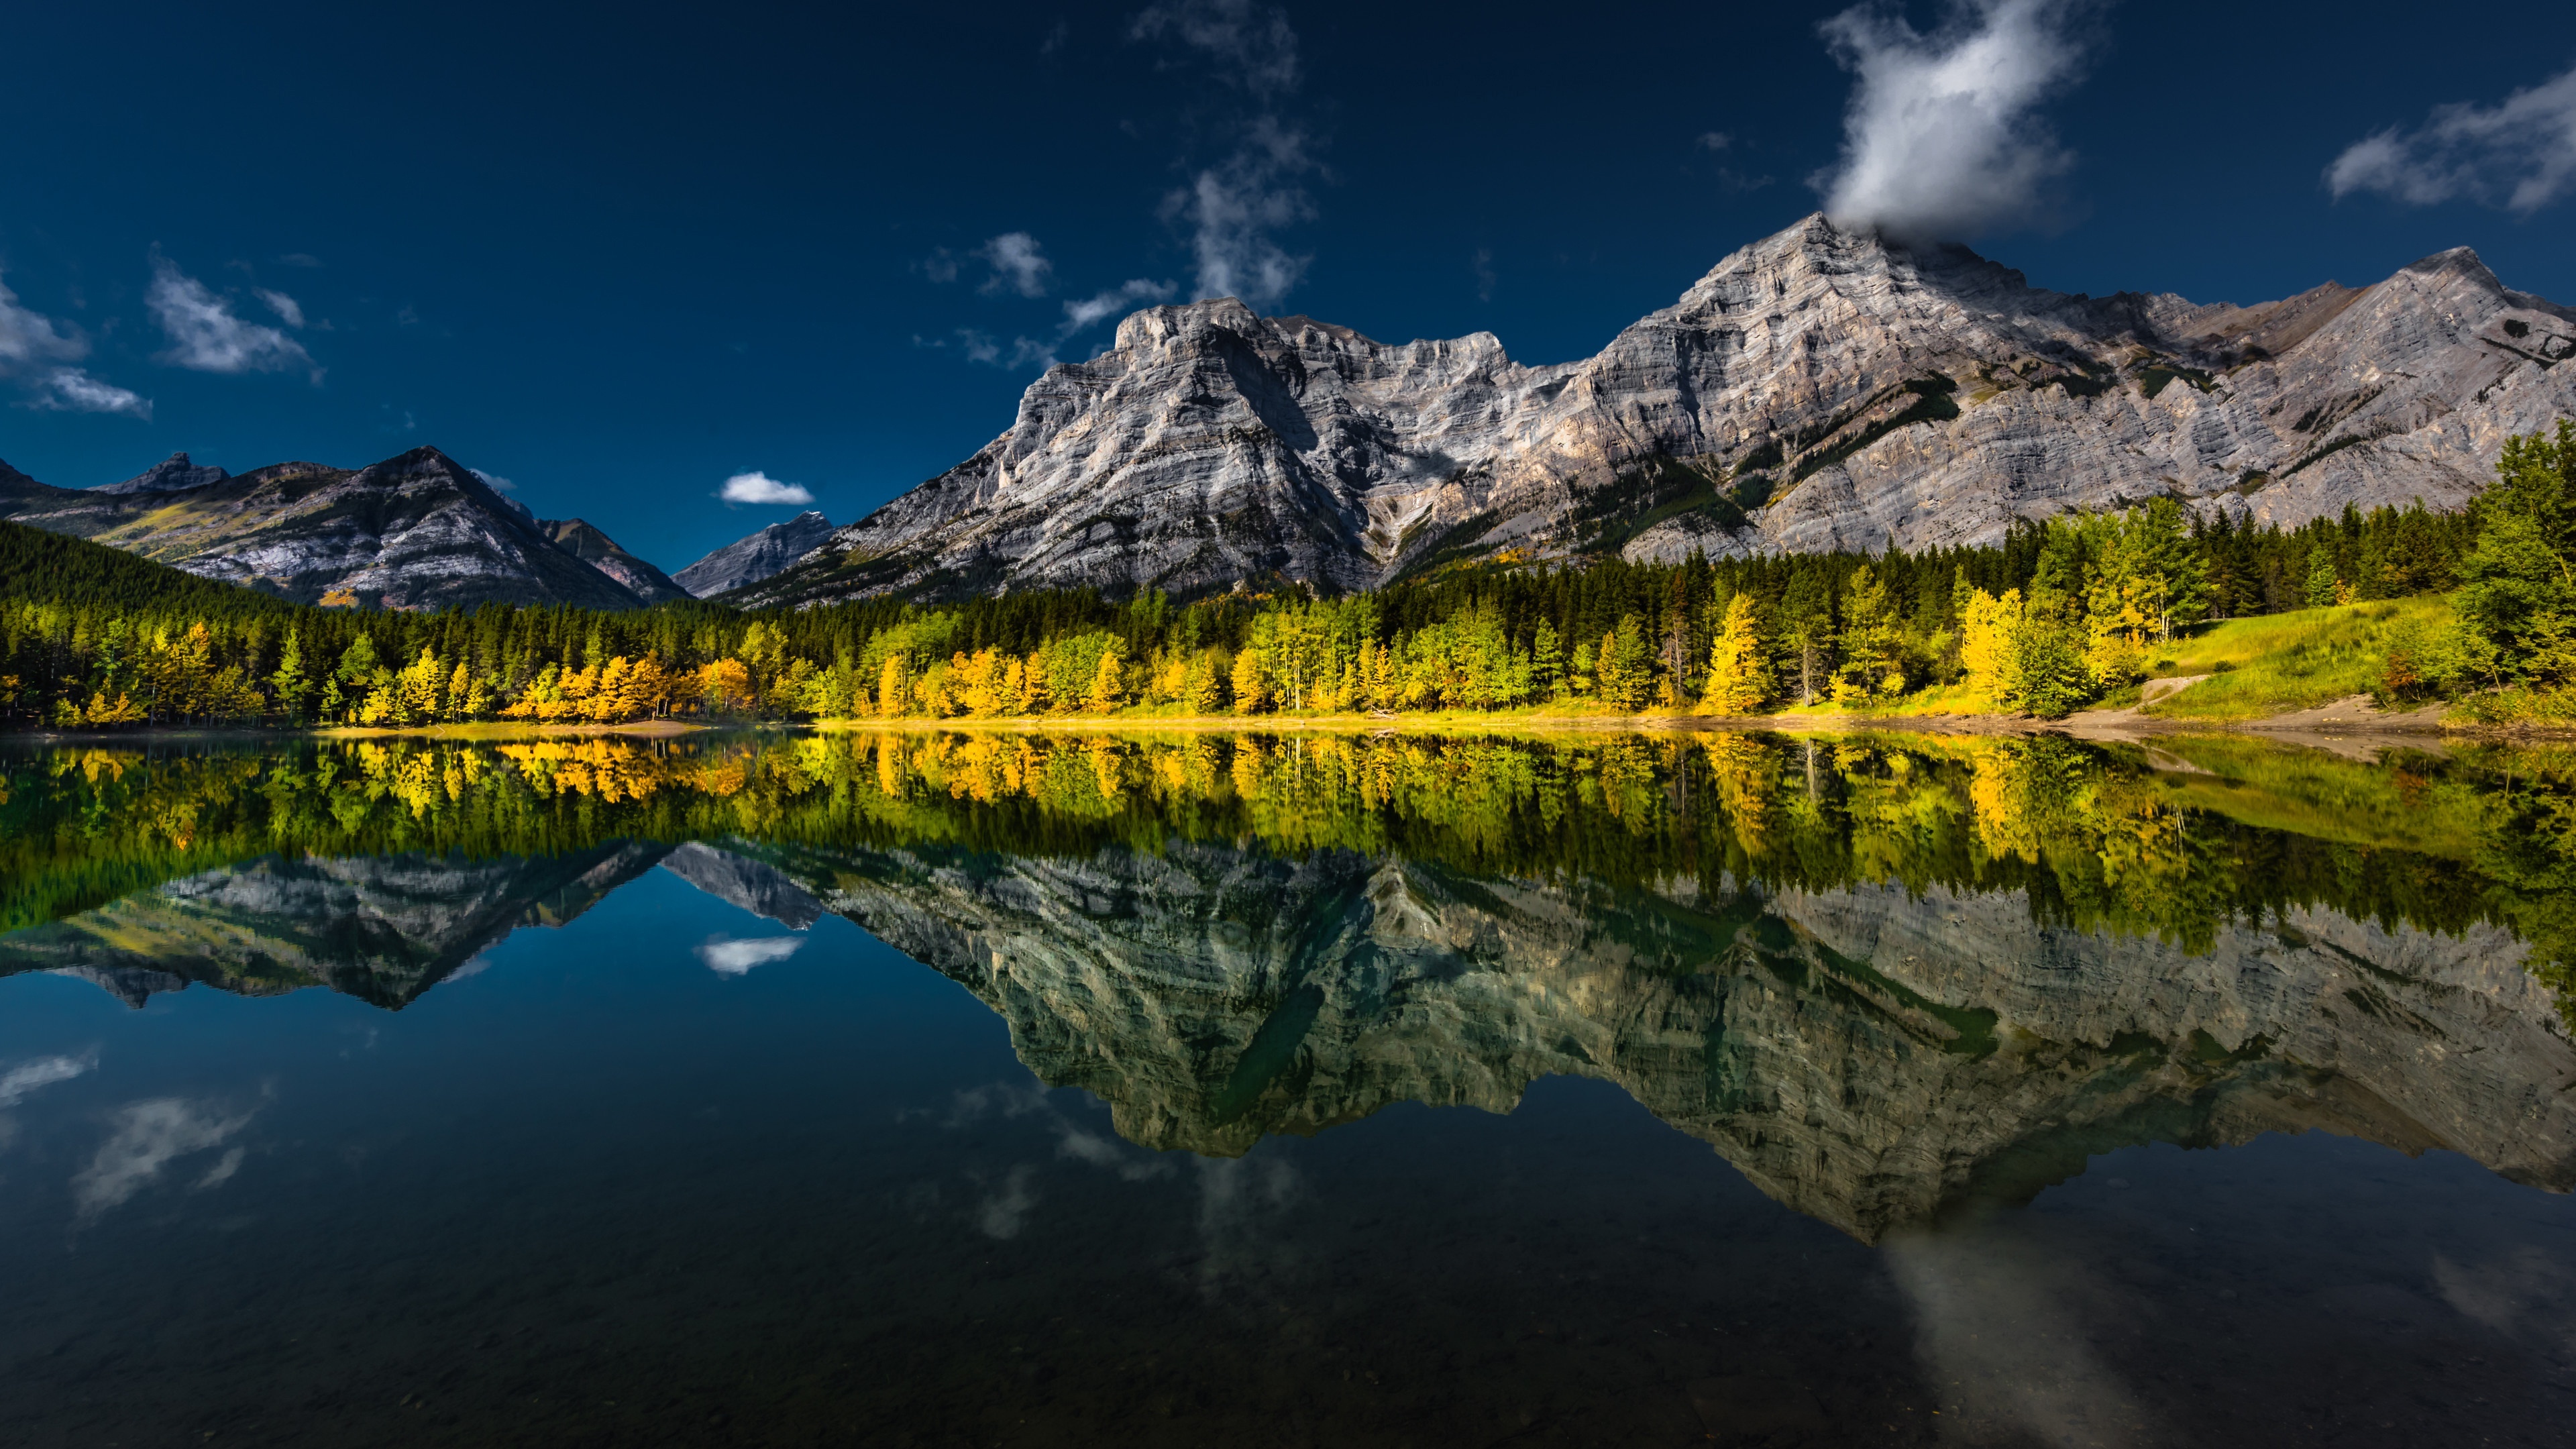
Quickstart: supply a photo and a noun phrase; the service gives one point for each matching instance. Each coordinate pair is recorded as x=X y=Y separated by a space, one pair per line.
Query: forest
x=2095 y=838
x=2059 y=613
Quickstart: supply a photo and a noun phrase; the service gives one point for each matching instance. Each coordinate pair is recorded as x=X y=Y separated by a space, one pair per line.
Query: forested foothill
x=2061 y=614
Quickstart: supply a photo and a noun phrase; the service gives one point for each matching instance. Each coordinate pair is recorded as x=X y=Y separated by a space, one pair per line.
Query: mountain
x=1874 y=1056
x=170 y=475
x=750 y=560
x=381 y=928
x=584 y=542
x=739 y=880
x=415 y=531
x=1822 y=388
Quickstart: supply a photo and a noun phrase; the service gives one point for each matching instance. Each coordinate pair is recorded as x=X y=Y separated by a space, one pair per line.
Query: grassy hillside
x=2278 y=663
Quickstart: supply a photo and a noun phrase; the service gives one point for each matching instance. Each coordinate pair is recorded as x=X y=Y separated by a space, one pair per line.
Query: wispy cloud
x=1253 y=45
x=287 y=309
x=1018 y=264
x=30 y=1077
x=36 y=352
x=1482 y=265
x=1235 y=208
x=1002 y=1214
x=1714 y=140
x=299 y=259
x=29 y=339
x=940 y=266
x=2010 y=1327
x=758 y=487
x=1942 y=137
x=204 y=334
x=149 y=1136
x=2520 y=152
x=72 y=390
x=1114 y=302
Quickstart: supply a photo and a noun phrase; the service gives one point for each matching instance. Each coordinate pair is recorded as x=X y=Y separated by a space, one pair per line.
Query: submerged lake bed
x=1100 y=1087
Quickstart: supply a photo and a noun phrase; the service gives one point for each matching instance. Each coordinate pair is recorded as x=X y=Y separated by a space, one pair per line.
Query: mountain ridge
x=418 y=530
x=1821 y=388
x=755 y=557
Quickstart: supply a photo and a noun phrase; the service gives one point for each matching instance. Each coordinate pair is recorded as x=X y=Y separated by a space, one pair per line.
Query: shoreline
x=2339 y=721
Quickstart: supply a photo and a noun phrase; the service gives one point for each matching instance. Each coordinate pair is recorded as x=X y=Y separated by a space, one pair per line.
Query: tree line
x=2055 y=614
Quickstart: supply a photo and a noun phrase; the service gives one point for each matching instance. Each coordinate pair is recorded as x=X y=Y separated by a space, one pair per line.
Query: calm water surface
x=950 y=1089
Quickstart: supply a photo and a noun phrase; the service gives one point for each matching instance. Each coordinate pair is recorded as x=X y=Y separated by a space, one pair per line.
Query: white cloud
x=1941 y=138
x=30 y=1077
x=149 y=1136
x=1018 y=265
x=757 y=487
x=221 y=1173
x=1233 y=209
x=1117 y=300
x=1004 y=1213
x=300 y=259
x=494 y=481
x=1715 y=140
x=34 y=352
x=736 y=958
x=204 y=334
x=2522 y=151
x=1253 y=46
x=71 y=390
x=288 y=310
x=940 y=265
x=29 y=339
x=978 y=346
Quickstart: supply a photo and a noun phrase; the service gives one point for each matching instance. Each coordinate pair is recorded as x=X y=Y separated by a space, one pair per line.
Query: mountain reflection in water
x=1889 y=979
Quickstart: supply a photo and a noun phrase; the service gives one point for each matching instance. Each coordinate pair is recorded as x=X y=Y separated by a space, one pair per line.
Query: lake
x=1114 y=1088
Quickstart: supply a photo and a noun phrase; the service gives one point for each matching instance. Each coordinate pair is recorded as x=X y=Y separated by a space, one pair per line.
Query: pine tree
x=2322 y=583
x=289 y=683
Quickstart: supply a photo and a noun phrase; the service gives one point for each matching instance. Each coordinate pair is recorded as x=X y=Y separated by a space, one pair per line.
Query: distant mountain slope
x=170 y=475
x=416 y=531
x=750 y=560
x=585 y=542
x=36 y=564
x=18 y=491
x=383 y=929
x=1821 y=388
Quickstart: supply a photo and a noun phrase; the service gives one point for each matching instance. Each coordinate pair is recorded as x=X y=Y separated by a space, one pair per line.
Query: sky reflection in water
x=697 y=1158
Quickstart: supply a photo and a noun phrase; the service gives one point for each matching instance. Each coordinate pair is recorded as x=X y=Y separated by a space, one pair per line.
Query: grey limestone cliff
x=1870 y=1056
x=1820 y=388
x=747 y=561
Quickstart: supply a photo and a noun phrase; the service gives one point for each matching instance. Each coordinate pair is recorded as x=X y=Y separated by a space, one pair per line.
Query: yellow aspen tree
x=1739 y=672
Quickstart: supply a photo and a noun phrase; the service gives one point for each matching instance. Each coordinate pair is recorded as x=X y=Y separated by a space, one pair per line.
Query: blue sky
x=619 y=256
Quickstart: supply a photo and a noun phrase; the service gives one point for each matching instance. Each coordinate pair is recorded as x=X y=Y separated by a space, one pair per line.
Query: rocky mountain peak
x=750 y=560
x=171 y=475
x=418 y=530
x=585 y=542
x=1822 y=387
